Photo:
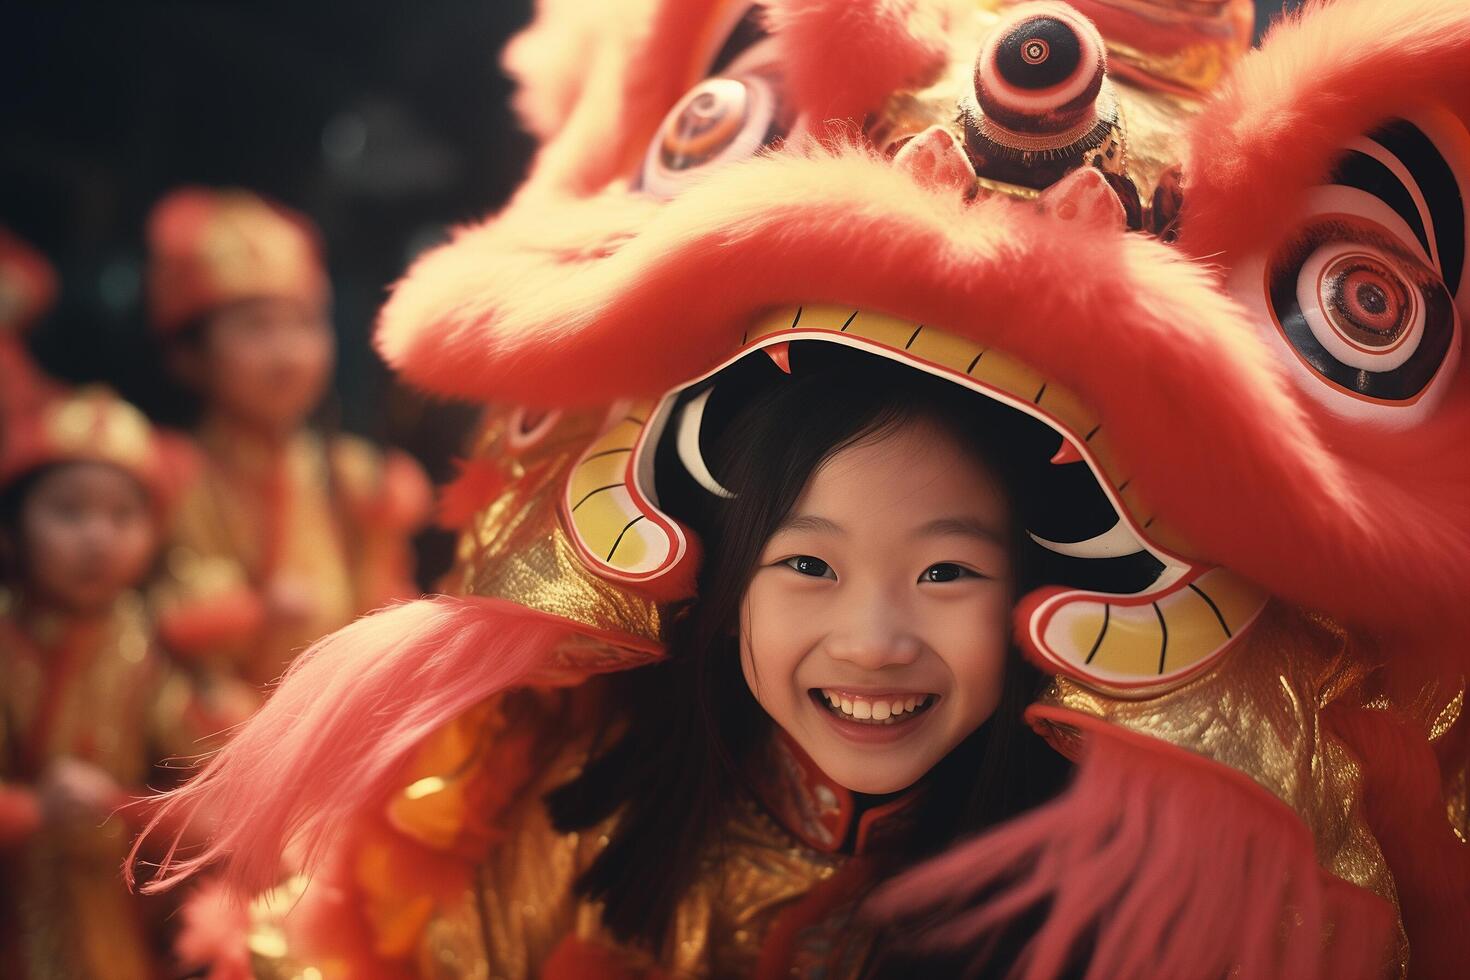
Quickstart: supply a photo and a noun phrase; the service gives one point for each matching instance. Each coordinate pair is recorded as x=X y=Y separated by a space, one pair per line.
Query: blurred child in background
x=87 y=706
x=287 y=534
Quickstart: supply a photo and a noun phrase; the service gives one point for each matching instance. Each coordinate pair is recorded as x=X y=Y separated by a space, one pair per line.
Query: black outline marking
x=1440 y=187
x=1164 y=630
x=635 y=421
x=593 y=493
x=795 y=320
x=849 y=320
x=1037 y=399
x=748 y=31
x=1097 y=643
x=917 y=330
x=976 y=360
x=1095 y=430
x=1370 y=175
x=1213 y=608
x=619 y=541
x=605 y=452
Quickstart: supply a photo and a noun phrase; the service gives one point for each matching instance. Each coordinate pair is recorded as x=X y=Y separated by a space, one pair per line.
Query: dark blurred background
x=385 y=120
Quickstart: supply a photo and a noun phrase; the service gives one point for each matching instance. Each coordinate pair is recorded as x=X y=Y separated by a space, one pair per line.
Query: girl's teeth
x=883 y=711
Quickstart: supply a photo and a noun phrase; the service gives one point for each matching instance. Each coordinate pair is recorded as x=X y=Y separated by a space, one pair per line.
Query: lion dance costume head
x=1221 y=292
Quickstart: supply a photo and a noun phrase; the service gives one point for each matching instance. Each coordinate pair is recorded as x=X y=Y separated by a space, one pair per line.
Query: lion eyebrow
x=1401 y=166
x=749 y=31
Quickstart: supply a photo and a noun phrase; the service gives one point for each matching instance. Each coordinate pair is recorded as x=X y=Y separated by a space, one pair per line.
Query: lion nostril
x=1041 y=71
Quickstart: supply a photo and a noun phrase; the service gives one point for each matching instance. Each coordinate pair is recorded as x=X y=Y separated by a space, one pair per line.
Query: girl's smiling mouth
x=885 y=709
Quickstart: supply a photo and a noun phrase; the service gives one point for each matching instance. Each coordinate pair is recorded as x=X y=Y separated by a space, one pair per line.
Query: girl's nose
x=874 y=633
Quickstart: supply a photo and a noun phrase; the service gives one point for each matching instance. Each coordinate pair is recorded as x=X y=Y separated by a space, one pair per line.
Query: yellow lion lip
x=1131 y=642
x=996 y=373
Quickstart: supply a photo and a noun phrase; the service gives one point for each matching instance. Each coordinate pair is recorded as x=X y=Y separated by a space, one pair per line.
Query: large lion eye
x=719 y=120
x=1365 y=314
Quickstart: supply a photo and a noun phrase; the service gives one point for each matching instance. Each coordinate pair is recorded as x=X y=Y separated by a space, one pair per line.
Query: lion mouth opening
x=1080 y=537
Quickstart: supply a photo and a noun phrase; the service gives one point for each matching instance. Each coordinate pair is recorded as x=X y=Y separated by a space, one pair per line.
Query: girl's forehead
x=904 y=475
x=92 y=478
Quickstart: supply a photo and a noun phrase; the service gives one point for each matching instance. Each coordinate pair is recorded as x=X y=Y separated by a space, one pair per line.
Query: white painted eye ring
x=717 y=121
x=1360 y=306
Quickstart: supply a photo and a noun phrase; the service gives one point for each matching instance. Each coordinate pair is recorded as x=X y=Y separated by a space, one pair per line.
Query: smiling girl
x=846 y=682
x=841 y=700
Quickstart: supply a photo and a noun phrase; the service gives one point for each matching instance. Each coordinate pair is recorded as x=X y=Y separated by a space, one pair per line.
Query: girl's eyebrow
x=967 y=526
x=809 y=522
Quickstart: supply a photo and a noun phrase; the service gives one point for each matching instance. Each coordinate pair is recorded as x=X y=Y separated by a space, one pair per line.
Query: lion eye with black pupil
x=1365 y=315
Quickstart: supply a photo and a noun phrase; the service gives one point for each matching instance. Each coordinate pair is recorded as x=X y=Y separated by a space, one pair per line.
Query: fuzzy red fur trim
x=604 y=97
x=331 y=738
x=549 y=58
x=1164 y=864
x=1323 y=76
x=1406 y=810
x=515 y=311
x=898 y=43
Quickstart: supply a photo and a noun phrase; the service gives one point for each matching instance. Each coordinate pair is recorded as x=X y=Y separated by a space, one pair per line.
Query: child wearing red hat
x=87 y=706
x=286 y=534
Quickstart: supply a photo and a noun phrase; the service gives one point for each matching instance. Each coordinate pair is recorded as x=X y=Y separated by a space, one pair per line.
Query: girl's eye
x=945 y=571
x=807 y=565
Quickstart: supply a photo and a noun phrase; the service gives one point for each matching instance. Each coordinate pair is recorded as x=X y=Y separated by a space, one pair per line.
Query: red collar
x=820 y=812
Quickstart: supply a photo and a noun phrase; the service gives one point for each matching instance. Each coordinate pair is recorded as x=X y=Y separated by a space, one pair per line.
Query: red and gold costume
x=1229 y=285
x=96 y=691
x=327 y=518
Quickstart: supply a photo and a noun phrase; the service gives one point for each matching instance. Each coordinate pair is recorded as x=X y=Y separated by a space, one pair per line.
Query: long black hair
x=676 y=768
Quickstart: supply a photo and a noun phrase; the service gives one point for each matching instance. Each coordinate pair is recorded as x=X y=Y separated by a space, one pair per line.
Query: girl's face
x=86 y=535
x=875 y=630
x=266 y=362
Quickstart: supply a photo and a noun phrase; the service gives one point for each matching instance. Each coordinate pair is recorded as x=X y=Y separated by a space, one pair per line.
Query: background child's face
x=266 y=362
x=86 y=535
x=887 y=590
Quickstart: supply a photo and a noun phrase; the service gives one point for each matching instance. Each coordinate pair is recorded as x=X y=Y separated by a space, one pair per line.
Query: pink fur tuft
x=899 y=43
x=215 y=932
x=478 y=482
x=329 y=741
x=1168 y=864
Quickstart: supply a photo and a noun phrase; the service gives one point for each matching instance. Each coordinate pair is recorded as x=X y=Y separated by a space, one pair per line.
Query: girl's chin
x=873 y=765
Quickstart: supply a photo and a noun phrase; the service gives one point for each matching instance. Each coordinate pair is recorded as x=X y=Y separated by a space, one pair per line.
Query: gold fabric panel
x=517 y=549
